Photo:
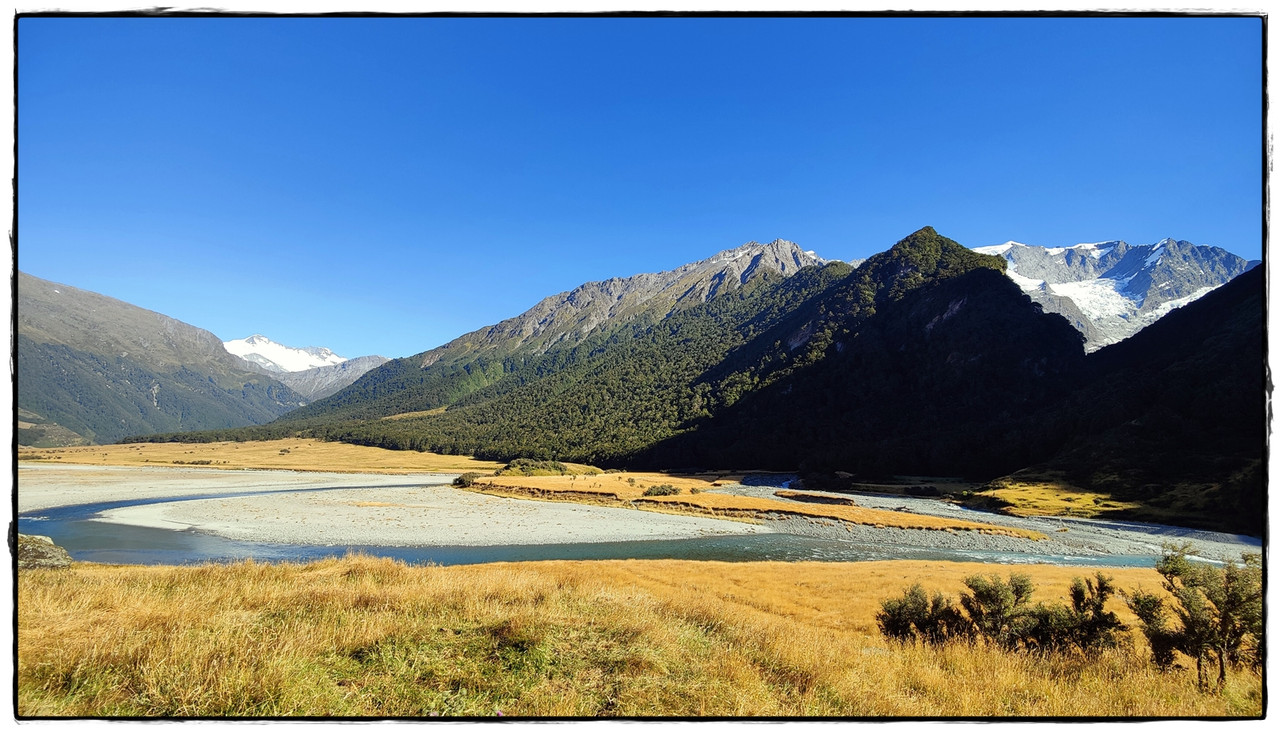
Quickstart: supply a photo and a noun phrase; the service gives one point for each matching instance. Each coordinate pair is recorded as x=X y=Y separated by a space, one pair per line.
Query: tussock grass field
x=364 y=636
x=629 y=487
x=281 y=454
x=1050 y=494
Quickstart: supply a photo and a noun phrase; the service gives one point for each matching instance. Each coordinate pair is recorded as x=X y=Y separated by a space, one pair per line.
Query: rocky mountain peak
x=570 y=316
x=276 y=358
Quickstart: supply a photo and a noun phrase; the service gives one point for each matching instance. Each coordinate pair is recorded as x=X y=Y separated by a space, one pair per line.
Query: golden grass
x=279 y=454
x=364 y=636
x=415 y=414
x=1029 y=496
x=629 y=487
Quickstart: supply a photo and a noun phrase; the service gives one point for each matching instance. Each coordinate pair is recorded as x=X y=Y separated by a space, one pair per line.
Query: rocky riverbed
x=1064 y=536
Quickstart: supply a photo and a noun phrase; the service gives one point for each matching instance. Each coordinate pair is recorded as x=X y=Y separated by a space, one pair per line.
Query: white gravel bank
x=344 y=509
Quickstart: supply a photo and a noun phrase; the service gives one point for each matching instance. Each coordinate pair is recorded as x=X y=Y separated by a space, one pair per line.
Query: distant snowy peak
x=281 y=358
x=1096 y=250
x=1109 y=289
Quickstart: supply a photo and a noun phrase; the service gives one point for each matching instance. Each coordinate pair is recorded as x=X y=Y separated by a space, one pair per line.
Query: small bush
x=915 y=617
x=658 y=490
x=526 y=467
x=467 y=479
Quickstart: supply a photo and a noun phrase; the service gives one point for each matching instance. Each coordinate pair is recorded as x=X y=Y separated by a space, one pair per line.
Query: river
x=150 y=516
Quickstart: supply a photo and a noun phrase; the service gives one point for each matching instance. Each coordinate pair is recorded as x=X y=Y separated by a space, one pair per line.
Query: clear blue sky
x=385 y=185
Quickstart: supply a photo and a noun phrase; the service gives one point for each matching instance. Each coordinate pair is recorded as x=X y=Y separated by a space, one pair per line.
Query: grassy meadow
x=364 y=636
x=310 y=455
x=628 y=488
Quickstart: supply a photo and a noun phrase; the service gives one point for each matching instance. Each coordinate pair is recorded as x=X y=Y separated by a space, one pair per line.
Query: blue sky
x=385 y=185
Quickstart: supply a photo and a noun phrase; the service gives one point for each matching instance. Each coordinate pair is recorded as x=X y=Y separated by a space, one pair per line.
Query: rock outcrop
x=40 y=552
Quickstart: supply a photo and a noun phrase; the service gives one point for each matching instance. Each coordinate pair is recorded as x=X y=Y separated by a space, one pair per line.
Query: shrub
x=658 y=490
x=1152 y=615
x=1219 y=610
x=999 y=611
x=526 y=467
x=467 y=479
x=914 y=617
x=1093 y=628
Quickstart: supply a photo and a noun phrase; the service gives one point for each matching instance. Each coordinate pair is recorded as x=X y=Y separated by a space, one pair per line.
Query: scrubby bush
x=1219 y=610
x=914 y=617
x=1000 y=612
x=526 y=467
x=467 y=479
x=658 y=490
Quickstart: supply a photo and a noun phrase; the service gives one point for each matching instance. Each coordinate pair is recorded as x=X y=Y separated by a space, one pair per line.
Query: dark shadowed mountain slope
x=1176 y=416
x=104 y=369
x=944 y=380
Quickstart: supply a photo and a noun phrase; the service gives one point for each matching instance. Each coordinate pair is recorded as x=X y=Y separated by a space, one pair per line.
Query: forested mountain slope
x=104 y=369
x=611 y=395
x=944 y=380
x=444 y=375
x=610 y=400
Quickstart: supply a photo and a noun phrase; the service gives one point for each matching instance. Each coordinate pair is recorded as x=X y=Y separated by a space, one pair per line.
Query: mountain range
x=1110 y=290
x=928 y=358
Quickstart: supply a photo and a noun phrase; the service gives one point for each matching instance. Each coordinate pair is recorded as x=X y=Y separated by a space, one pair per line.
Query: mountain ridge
x=476 y=360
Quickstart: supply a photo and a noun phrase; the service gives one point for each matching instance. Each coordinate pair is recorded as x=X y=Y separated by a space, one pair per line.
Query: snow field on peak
x=997 y=249
x=1100 y=299
x=291 y=360
x=1027 y=284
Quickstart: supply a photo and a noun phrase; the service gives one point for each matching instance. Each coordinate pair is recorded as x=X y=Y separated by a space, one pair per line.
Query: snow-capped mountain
x=312 y=372
x=279 y=358
x=1109 y=290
